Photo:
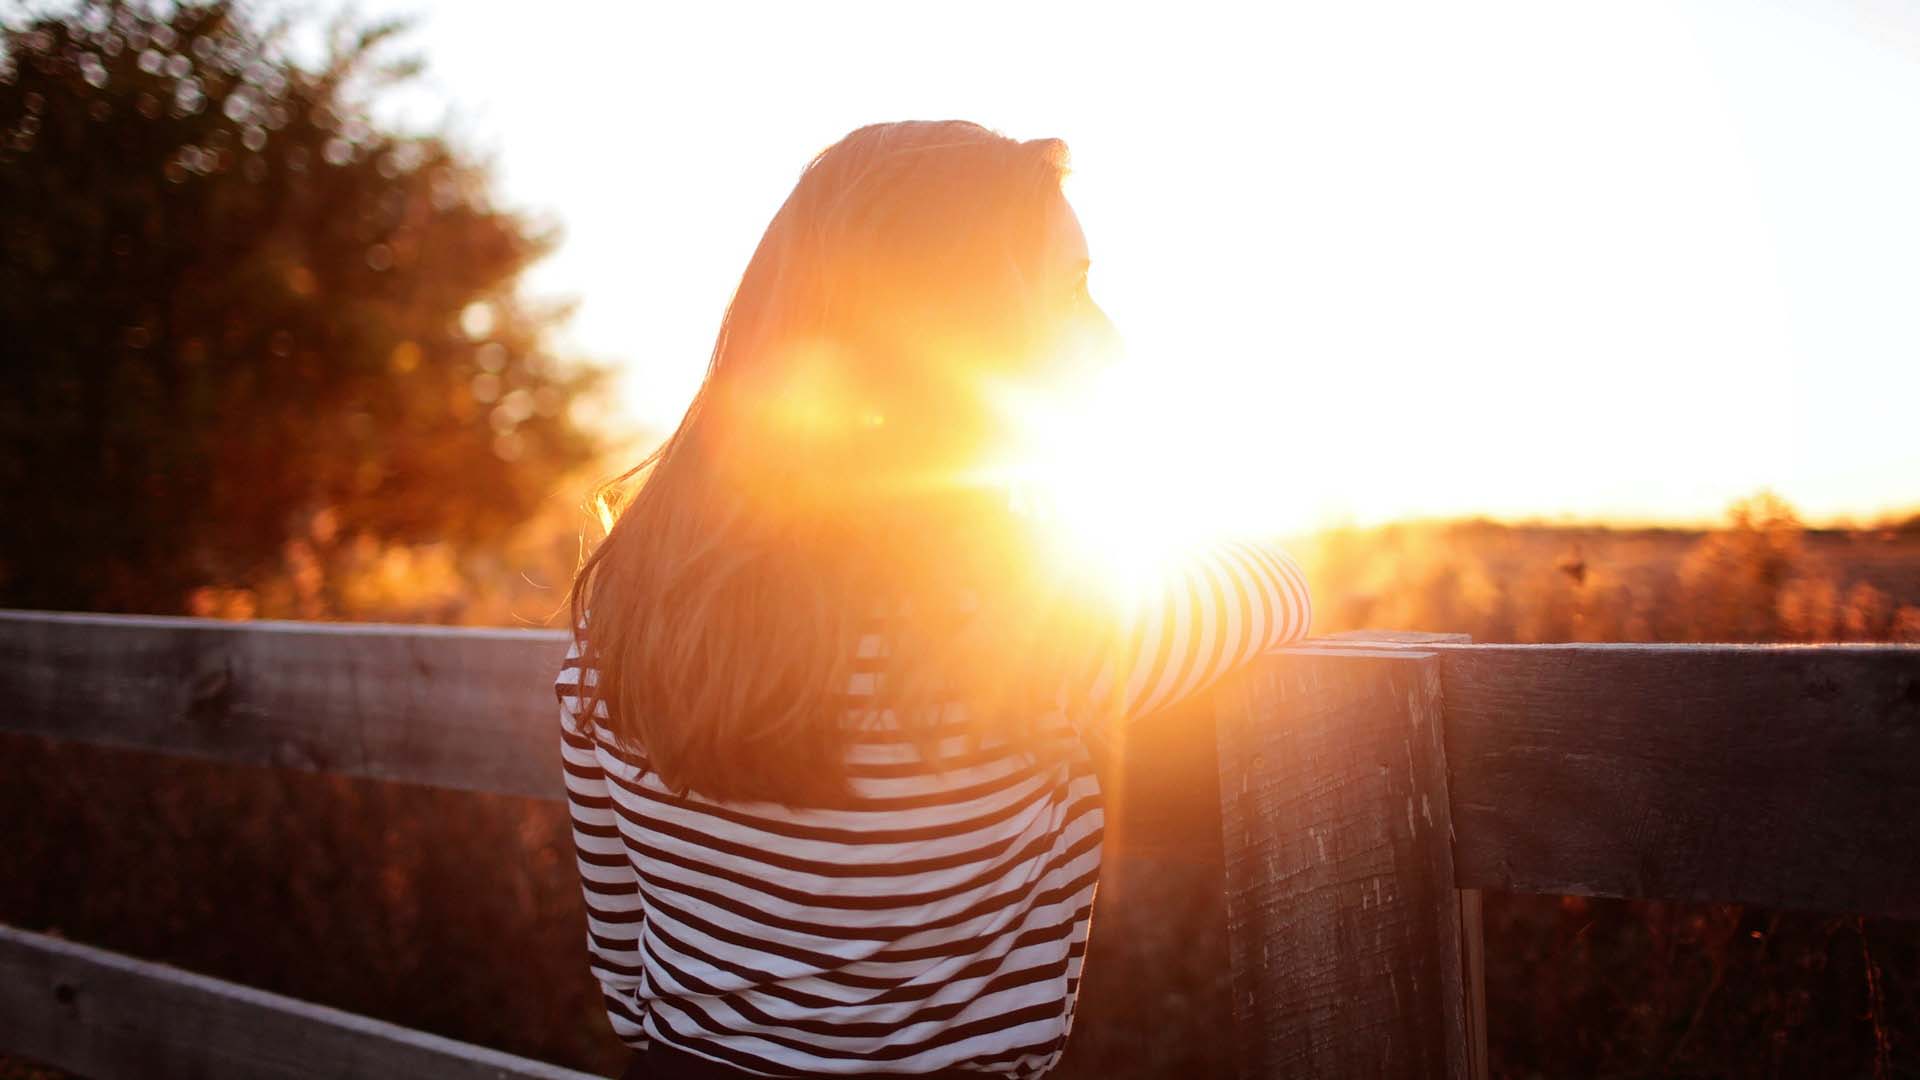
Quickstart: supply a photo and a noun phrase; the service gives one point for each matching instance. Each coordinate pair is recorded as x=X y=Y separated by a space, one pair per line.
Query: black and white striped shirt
x=939 y=923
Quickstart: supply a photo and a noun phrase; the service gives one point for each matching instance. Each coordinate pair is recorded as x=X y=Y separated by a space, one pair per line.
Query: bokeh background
x=1535 y=326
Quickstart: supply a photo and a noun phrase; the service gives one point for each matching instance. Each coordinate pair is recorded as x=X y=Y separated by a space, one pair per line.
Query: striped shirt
x=939 y=922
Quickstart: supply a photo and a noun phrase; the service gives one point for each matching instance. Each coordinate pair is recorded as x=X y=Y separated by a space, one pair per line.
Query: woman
x=833 y=710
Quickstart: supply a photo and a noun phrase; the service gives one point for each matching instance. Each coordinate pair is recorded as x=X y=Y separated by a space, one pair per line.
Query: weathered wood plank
x=1472 y=936
x=1779 y=775
x=105 y=1016
x=460 y=708
x=1473 y=963
x=1392 y=637
x=1345 y=929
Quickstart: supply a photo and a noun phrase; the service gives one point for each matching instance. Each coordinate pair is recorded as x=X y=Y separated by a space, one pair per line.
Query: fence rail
x=103 y=1014
x=1369 y=784
x=452 y=707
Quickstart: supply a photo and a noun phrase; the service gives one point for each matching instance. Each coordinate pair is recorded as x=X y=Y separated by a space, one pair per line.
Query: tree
x=230 y=302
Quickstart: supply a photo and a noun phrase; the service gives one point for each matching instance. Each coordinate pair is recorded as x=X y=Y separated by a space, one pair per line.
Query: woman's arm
x=1205 y=618
x=615 y=912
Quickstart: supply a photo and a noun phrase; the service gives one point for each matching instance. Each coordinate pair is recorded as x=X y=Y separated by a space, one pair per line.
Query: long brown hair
x=828 y=472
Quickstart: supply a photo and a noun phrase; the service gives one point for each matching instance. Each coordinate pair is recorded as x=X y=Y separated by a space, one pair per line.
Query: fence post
x=1353 y=953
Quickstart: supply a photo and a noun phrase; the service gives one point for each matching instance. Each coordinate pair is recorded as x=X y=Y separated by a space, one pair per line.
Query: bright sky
x=1374 y=261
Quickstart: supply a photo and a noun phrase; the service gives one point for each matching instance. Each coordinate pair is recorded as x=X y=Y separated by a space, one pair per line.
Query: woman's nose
x=1092 y=340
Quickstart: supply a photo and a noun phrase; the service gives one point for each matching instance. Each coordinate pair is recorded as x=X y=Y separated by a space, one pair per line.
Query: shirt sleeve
x=611 y=888
x=1205 y=618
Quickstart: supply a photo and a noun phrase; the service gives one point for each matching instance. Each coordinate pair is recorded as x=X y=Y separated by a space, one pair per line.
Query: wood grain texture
x=1779 y=775
x=1345 y=929
x=107 y=1016
x=1391 y=637
x=459 y=708
x=1473 y=964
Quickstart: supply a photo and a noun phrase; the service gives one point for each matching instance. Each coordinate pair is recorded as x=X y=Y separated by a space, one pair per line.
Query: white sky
x=1520 y=259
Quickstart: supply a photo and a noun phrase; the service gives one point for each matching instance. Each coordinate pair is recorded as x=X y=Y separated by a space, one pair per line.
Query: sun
x=1131 y=475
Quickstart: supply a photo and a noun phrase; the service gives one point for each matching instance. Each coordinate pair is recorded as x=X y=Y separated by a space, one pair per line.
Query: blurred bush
x=1763 y=576
x=239 y=321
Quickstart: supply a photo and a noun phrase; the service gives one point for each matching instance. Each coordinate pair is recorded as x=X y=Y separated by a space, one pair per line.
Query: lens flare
x=1131 y=472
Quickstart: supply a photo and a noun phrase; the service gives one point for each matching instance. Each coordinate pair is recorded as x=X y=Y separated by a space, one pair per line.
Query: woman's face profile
x=1065 y=247
x=1085 y=336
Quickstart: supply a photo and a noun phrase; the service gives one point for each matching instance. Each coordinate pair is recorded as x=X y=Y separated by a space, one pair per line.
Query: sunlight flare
x=1131 y=473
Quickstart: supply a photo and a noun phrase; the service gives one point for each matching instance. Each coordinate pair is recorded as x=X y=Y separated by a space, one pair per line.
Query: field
x=459 y=914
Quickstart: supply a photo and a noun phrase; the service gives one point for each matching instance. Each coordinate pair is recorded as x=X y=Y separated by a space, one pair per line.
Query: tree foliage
x=230 y=303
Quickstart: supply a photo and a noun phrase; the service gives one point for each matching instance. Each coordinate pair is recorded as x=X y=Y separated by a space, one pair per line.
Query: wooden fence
x=1369 y=786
